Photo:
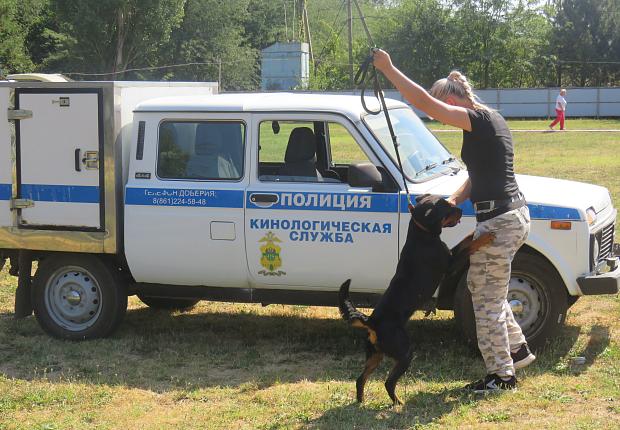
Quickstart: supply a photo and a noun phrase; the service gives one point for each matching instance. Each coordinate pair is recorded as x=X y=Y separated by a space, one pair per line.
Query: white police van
x=262 y=198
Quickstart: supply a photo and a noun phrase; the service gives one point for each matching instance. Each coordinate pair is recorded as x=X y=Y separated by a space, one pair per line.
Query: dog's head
x=434 y=212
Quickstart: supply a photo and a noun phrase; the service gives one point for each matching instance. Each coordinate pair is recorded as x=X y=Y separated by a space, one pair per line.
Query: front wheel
x=77 y=296
x=536 y=295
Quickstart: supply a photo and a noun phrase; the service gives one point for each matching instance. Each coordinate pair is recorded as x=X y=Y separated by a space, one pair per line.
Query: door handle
x=78 y=167
x=264 y=199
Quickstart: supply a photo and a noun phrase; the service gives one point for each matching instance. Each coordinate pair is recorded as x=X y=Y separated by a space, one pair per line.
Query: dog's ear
x=422 y=197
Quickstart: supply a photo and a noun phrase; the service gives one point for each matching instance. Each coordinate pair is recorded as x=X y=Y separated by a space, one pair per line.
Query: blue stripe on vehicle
x=553 y=212
x=537 y=211
x=5 y=191
x=348 y=202
x=60 y=193
x=191 y=197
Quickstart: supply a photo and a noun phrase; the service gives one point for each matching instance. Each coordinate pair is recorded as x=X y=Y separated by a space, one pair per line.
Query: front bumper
x=603 y=283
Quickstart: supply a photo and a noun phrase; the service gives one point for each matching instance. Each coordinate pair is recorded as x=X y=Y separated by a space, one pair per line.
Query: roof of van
x=38 y=77
x=273 y=102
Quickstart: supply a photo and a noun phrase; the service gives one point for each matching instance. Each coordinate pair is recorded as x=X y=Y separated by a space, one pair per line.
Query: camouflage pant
x=489 y=274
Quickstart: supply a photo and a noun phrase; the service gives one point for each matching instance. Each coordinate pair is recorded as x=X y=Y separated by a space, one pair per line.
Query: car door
x=184 y=214
x=306 y=227
x=60 y=167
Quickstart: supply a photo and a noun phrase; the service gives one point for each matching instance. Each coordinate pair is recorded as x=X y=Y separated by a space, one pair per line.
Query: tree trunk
x=120 y=43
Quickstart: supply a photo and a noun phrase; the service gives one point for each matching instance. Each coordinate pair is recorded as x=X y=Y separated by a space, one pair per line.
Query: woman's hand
x=382 y=60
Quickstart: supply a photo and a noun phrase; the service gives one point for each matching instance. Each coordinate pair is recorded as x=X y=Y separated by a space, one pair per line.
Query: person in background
x=500 y=208
x=560 y=110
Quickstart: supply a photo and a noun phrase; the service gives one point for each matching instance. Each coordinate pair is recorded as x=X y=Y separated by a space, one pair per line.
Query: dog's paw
x=429 y=307
x=482 y=240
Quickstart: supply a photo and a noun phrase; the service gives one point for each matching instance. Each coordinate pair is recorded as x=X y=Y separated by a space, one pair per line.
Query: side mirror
x=366 y=175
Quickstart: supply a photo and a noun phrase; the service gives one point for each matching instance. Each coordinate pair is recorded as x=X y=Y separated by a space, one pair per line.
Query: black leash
x=360 y=81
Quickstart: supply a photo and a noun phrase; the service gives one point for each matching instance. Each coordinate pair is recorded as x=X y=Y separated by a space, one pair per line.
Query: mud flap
x=23 y=299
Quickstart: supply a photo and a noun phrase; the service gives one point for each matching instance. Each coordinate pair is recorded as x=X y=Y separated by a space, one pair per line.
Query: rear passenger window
x=206 y=150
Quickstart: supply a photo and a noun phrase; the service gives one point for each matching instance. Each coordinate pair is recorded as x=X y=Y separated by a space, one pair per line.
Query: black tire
x=535 y=288
x=168 y=304
x=78 y=297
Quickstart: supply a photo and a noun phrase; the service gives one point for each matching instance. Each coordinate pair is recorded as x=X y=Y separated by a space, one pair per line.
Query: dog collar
x=421 y=226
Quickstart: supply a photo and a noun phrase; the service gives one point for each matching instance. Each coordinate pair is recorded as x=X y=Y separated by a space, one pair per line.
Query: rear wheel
x=78 y=296
x=537 y=297
x=168 y=304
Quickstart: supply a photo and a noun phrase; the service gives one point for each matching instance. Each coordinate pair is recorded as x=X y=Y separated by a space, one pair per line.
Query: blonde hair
x=456 y=84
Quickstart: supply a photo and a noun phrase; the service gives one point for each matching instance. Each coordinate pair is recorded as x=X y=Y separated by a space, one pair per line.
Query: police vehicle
x=262 y=198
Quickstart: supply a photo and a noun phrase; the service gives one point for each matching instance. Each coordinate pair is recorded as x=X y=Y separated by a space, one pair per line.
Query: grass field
x=225 y=366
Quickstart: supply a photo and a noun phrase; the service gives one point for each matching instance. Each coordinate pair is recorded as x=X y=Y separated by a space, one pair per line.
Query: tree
x=13 y=54
x=421 y=40
x=111 y=35
x=585 y=40
x=212 y=32
x=483 y=29
x=526 y=61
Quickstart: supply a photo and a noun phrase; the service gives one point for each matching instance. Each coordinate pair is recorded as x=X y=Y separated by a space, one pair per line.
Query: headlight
x=596 y=251
x=590 y=215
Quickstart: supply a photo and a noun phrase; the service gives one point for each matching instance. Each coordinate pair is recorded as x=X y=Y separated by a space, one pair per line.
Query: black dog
x=424 y=261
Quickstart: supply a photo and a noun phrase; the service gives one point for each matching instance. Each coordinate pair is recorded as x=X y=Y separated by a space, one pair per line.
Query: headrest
x=208 y=139
x=301 y=145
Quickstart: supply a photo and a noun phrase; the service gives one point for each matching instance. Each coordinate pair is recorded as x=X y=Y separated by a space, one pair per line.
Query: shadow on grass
x=422 y=408
x=165 y=352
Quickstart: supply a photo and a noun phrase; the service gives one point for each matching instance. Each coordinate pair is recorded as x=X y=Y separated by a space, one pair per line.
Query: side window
x=211 y=150
x=288 y=151
x=343 y=147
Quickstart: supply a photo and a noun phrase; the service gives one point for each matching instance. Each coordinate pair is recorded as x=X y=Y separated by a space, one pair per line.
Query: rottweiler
x=424 y=261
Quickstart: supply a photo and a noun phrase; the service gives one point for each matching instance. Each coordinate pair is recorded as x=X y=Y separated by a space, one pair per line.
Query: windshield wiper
x=426 y=169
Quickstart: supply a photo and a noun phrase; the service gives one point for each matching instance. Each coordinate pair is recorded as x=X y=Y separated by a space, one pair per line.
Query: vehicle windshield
x=421 y=153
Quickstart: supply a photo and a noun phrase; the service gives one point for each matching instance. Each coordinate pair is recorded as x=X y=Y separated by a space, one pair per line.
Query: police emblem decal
x=270 y=255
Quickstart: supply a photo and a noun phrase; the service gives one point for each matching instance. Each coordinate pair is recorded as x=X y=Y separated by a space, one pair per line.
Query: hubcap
x=517 y=307
x=73 y=298
x=526 y=302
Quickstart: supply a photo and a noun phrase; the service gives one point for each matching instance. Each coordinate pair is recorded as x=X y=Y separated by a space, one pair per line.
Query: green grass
x=228 y=366
x=537 y=124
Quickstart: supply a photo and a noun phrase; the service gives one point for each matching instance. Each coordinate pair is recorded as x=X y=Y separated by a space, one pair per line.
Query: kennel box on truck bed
x=62 y=151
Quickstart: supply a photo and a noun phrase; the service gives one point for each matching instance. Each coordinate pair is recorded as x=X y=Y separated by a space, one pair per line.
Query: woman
x=560 y=110
x=500 y=208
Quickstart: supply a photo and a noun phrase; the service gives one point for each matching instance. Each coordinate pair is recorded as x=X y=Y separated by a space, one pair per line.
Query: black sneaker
x=522 y=357
x=492 y=384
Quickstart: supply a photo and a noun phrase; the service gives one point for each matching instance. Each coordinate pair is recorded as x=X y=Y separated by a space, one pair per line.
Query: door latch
x=91 y=160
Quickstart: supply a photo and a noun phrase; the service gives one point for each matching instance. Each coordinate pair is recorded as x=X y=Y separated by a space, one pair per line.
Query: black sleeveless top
x=488 y=154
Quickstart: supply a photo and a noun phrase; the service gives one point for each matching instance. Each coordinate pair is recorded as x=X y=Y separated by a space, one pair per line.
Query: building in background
x=285 y=66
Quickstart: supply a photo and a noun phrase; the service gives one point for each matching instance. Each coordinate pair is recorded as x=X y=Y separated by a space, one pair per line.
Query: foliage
x=213 y=32
x=497 y=43
x=585 y=36
x=421 y=40
x=13 y=53
x=110 y=35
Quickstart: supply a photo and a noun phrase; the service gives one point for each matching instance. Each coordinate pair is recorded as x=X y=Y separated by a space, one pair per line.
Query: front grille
x=605 y=239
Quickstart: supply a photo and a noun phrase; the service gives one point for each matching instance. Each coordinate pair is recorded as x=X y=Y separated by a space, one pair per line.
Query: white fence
x=540 y=103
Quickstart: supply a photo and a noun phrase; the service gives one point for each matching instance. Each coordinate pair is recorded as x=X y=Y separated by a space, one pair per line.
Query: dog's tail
x=351 y=314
